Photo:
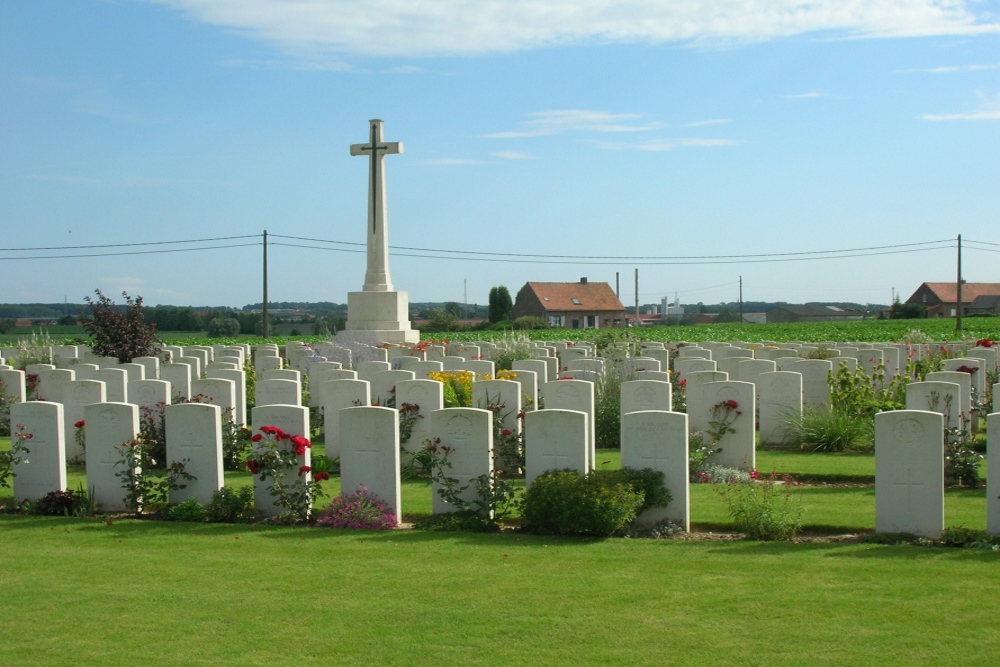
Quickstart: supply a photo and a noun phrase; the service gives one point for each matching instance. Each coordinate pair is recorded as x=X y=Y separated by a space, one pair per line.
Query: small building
x=580 y=305
x=941 y=299
x=984 y=304
x=812 y=314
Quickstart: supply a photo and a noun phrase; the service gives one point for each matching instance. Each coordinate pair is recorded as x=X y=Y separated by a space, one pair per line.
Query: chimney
x=583 y=281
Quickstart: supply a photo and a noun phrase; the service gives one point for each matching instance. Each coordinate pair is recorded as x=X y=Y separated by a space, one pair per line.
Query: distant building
x=941 y=299
x=984 y=304
x=581 y=305
x=812 y=314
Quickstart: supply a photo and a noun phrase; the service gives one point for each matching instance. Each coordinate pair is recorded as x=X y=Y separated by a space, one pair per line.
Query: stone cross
x=377 y=275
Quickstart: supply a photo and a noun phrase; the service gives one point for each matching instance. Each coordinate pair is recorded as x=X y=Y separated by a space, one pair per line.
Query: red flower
x=79 y=424
x=967 y=369
x=506 y=431
x=257 y=437
x=730 y=404
x=253 y=466
x=303 y=470
x=270 y=430
x=321 y=477
x=683 y=383
x=984 y=342
x=300 y=443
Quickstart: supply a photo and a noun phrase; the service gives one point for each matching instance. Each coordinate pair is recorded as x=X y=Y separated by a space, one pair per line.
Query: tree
x=441 y=320
x=223 y=326
x=500 y=304
x=454 y=308
x=7 y=325
x=727 y=314
x=119 y=332
x=906 y=311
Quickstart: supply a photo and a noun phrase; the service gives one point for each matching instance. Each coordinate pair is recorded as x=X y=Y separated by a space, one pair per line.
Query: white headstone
x=468 y=432
x=659 y=440
x=293 y=420
x=194 y=438
x=779 y=400
x=110 y=426
x=369 y=454
x=43 y=468
x=574 y=395
x=555 y=439
x=909 y=473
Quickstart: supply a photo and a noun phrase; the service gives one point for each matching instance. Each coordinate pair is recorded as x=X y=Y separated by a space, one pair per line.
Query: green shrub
x=608 y=407
x=530 y=322
x=189 y=510
x=764 y=510
x=59 y=503
x=603 y=503
x=230 y=505
x=825 y=430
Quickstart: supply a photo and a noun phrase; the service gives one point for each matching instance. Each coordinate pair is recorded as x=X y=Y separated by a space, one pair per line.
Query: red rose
x=506 y=431
x=321 y=477
x=79 y=424
x=253 y=466
x=303 y=470
x=257 y=437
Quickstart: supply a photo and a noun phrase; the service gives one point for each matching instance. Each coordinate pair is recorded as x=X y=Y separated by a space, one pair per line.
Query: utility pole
x=637 y=297
x=265 y=325
x=958 y=289
x=741 y=299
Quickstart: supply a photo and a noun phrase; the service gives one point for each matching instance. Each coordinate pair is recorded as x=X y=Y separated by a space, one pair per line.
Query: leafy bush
x=362 y=510
x=530 y=322
x=189 y=510
x=567 y=502
x=764 y=510
x=608 y=407
x=826 y=430
x=117 y=332
x=230 y=505
x=60 y=503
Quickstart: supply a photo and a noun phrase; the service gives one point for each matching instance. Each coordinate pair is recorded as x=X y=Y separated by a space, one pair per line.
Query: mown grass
x=108 y=589
x=97 y=592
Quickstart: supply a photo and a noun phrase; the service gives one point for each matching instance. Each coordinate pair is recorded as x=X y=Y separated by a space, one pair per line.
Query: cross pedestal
x=378 y=313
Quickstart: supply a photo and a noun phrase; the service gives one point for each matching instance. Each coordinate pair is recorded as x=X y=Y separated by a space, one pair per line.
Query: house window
x=576 y=302
x=555 y=320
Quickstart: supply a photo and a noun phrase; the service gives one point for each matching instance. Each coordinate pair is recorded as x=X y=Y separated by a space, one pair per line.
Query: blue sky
x=544 y=141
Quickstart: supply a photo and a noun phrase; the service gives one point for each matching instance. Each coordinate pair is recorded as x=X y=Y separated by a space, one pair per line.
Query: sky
x=804 y=150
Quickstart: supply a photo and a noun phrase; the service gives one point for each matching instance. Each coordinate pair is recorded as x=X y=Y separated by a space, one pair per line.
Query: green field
x=938 y=330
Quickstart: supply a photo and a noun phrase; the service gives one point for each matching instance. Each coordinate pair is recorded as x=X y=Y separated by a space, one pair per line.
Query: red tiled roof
x=948 y=292
x=591 y=296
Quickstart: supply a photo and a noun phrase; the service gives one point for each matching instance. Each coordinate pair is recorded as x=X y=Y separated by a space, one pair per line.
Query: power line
x=630 y=258
x=687 y=261
x=136 y=252
x=125 y=245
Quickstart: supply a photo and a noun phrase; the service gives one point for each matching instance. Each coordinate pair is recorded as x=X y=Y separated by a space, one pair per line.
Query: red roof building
x=581 y=305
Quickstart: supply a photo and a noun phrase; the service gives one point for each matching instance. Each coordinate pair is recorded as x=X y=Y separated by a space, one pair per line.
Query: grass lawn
x=98 y=591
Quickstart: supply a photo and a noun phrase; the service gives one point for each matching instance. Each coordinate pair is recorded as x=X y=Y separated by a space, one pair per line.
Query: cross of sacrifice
x=377 y=275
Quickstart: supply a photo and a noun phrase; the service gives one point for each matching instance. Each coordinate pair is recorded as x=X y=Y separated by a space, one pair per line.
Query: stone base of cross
x=379 y=317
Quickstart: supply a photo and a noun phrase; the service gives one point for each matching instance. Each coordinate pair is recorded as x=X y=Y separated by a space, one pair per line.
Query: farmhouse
x=581 y=305
x=941 y=299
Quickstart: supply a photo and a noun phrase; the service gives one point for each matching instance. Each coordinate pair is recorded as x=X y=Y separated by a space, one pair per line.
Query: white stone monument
x=378 y=313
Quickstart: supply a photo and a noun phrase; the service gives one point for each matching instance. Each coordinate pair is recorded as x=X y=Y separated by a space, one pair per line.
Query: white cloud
x=985 y=114
x=407 y=69
x=452 y=162
x=659 y=145
x=952 y=69
x=806 y=96
x=712 y=121
x=414 y=28
x=988 y=110
x=513 y=155
x=68 y=179
x=558 y=121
